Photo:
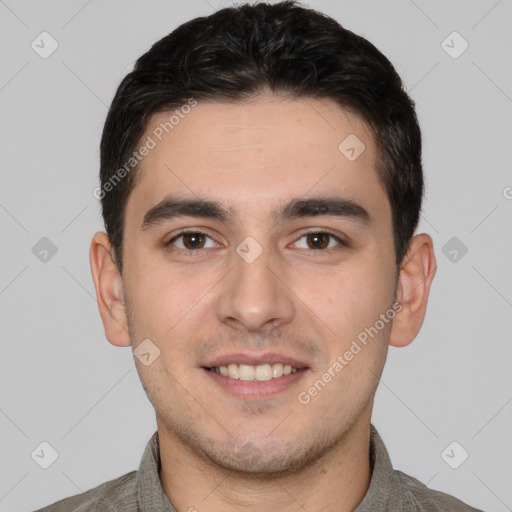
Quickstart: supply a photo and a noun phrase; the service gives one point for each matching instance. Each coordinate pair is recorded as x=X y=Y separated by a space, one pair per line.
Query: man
x=261 y=184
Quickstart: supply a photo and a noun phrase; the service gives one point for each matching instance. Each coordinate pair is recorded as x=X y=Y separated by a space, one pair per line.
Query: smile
x=261 y=372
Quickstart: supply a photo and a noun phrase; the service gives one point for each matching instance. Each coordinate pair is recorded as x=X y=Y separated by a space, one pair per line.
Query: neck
x=337 y=481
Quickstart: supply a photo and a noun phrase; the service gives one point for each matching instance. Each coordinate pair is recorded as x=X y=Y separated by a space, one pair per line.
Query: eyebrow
x=173 y=207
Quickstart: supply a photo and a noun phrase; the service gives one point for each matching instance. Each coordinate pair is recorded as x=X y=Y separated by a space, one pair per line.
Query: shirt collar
x=150 y=493
x=383 y=493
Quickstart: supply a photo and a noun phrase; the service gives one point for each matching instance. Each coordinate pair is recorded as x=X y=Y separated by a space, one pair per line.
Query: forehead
x=268 y=149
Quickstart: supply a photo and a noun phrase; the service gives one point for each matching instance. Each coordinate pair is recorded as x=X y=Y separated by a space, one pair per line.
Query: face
x=288 y=267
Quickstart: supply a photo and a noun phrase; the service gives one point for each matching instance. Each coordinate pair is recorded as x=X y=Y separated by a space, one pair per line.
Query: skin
x=294 y=298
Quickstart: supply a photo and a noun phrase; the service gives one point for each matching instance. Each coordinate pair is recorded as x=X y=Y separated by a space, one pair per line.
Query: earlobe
x=416 y=275
x=109 y=290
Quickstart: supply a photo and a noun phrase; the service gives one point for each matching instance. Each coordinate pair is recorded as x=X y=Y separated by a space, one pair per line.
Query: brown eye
x=318 y=240
x=191 y=241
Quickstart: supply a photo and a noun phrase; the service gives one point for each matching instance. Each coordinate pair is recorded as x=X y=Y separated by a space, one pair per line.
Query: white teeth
x=233 y=371
x=277 y=370
x=245 y=372
x=261 y=372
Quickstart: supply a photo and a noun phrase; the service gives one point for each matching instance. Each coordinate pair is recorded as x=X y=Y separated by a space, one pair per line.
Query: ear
x=109 y=290
x=414 y=280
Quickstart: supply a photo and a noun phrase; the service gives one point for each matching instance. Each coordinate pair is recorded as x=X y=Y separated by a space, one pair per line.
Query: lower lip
x=256 y=390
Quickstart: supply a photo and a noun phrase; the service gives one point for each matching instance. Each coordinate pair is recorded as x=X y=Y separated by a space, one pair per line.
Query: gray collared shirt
x=141 y=491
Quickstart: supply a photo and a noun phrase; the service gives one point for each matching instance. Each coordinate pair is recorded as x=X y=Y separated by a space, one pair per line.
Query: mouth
x=259 y=373
x=255 y=378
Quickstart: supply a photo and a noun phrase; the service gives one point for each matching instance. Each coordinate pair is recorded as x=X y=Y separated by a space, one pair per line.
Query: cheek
x=348 y=300
x=170 y=306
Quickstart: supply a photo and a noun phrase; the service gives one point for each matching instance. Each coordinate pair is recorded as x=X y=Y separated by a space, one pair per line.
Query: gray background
x=63 y=383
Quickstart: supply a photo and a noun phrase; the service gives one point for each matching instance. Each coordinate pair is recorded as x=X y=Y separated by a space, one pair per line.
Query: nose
x=255 y=296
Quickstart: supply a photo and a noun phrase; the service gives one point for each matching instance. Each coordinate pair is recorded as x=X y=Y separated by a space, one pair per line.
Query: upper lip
x=254 y=360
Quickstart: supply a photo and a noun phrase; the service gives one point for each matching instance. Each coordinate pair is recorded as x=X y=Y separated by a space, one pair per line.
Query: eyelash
x=341 y=242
